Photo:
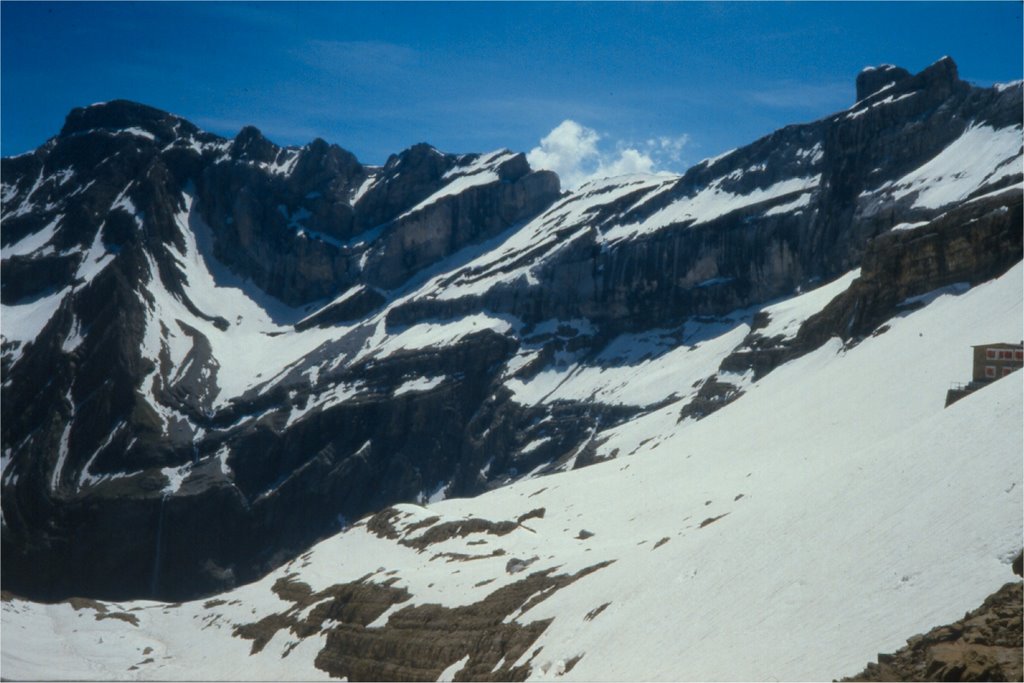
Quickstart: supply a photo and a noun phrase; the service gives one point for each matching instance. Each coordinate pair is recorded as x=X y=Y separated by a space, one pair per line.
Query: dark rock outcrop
x=78 y=419
x=839 y=168
x=303 y=232
x=121 y=115
x=899 y=270
x=873 y=79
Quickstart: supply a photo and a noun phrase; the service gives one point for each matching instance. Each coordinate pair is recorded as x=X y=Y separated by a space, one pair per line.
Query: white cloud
x=670 y=148
x=570 y=150
x=628 y=161
x=574 y=152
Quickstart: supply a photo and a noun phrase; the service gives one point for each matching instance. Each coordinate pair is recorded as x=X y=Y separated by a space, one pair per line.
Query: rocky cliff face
x=218 y=351
x=983 y=646
x=798 y=206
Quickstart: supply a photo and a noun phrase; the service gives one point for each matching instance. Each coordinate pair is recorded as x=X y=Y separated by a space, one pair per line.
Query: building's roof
x=999 y=345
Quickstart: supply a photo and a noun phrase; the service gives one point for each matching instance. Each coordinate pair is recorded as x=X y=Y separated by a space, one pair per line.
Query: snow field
x=828 y=514
x=33 y=242
x=659 y=368
x=540 y=238
x=647 y=368
x=708 y=204
x=786 y=316
x=482 y=171
x=24 y=322
x=187 y=643
x=259 y=342
x=981 y=156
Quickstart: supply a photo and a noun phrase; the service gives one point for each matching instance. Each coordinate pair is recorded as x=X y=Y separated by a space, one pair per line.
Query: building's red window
x=990 y=371
x=990 y=354
x=1007 y=371
x=1018 y=355
x=1006 y=355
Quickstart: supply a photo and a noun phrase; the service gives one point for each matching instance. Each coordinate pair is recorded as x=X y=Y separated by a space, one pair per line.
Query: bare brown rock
x=537 y=513
x=101 y=610
x=122 y=616
x=712 y=395
x=383 y=524
x=358 y=602
x=419 y=642
x=986 y=645
x=711 y=520
x=448 y=530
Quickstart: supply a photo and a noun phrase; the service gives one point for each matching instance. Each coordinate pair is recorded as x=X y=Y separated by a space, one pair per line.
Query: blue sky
x=673 y=82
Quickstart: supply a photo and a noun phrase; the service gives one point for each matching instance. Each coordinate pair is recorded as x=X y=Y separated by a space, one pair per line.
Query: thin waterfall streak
x=155 y=580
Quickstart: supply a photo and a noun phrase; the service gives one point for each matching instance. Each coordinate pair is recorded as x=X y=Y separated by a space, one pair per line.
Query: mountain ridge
x=284 y=339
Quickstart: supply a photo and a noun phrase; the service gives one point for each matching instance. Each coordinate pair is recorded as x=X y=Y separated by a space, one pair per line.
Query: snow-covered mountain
x=218 y=353
x=833 y=510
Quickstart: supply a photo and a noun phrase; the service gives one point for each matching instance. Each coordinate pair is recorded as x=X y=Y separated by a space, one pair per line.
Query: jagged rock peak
x=118 y=115
x=939 y=76
x=320 y=155
x=250 y=144
x=943 y=72
x=419 y=154
x=874 y=78
x=319 y=146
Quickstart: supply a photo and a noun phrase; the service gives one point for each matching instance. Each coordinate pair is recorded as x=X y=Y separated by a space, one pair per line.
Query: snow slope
x=981 y=156
x=833 y=510
x=259 y=339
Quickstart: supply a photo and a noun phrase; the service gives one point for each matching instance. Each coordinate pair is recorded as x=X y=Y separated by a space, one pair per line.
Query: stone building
x=991 y=361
